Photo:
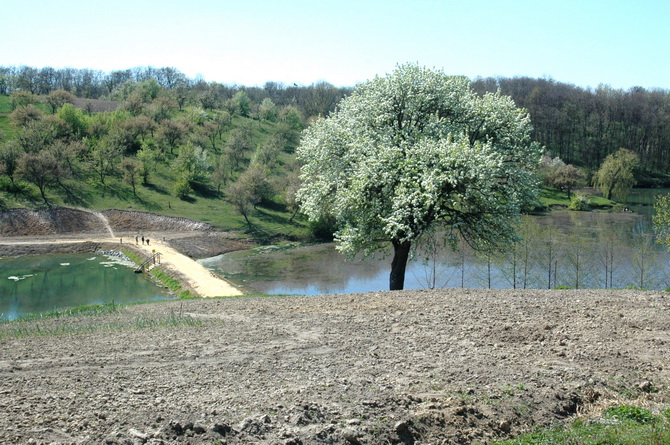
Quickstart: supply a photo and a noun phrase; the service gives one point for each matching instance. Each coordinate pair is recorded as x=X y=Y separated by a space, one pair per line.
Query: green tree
x=182 y=187
x=21 y=99
x=192 y=164
x=10 y=153
x=25 y=115
x=35 y=136
x=241 y=103
x=661 y=219
x=43 y=170
x=76 y=120
x=70 y=154
x=415 y=149
x=237 y=145
x=103 y=158
x=250 y=188
x=148 y=157
x=268 y=110
x=171 y=133
x=615 y=177
x=221 y=173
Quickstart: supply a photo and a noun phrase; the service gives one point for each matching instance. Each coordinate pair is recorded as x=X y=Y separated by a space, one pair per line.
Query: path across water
x=202 y=280
x=196 y=276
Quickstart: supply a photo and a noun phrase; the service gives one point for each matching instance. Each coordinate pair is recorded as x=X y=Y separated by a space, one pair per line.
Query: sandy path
x=201 y=279
x=198 y=277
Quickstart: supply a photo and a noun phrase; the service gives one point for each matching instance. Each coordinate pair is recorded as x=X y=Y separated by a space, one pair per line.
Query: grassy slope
x=552 y=197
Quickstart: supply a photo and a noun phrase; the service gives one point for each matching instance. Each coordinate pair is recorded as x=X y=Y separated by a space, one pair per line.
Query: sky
x=620 y=43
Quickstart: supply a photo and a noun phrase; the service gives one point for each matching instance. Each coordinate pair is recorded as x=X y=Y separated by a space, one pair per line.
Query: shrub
x=182 y=188
x=580 y=202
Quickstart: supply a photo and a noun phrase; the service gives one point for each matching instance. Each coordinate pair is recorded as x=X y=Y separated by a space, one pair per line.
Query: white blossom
x=414 y=149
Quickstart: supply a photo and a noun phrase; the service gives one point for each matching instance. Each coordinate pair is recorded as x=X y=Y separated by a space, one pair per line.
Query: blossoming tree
x=414 y=150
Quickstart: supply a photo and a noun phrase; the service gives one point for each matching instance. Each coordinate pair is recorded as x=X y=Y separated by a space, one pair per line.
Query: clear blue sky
x=621 y=43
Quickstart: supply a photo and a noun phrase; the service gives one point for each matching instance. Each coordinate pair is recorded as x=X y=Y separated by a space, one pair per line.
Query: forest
x=154 y=139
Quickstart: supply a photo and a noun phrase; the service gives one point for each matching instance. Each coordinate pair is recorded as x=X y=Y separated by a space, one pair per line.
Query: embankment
x=25 y=231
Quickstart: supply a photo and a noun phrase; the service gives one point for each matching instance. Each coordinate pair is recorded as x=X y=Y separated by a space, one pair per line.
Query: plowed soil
x=425 y=367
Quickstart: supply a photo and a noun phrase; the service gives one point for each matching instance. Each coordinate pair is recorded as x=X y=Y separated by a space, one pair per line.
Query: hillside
x=152 y=140
x=157 y=158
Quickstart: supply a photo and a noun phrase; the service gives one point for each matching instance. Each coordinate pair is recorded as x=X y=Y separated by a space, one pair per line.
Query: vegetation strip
x=88 y=319
x=161 y=276
x=619 y=425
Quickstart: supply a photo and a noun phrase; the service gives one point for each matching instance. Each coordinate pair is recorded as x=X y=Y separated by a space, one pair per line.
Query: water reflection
x=309 y=270
x=560 y=249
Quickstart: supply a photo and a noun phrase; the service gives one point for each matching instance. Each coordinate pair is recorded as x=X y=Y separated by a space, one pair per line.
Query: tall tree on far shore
x=615 y=177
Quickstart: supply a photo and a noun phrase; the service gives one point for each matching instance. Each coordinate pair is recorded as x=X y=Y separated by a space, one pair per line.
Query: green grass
x=268 y=221
x=552 y=197
x=619 y=425
x=88 y=310
x=171 y=283
x=7 y=131
x=88 y=319
x=18 y=330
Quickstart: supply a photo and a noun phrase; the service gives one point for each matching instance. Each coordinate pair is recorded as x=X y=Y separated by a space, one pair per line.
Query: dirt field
x=432 y=367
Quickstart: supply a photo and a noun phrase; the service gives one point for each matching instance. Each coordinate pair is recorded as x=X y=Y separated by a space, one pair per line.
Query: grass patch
x=171 y=283
x=551 y=197
x=89 y=319
x=89 y=310
x=171 y=320
x=619 y=425
x=6 y=128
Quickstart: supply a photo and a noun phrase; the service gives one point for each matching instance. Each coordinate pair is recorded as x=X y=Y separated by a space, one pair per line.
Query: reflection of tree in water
x=561 y=249
x=305 y=270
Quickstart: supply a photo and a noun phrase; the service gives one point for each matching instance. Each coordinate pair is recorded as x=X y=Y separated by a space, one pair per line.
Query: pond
x=41 y=283
x=562 y=249
x=559 y=249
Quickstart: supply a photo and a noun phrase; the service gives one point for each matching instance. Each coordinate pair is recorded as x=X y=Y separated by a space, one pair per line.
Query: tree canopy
x=412 y=150
x=615 y=176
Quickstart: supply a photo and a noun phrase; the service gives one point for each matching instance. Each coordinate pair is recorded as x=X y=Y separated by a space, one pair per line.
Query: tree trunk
x=398 y=265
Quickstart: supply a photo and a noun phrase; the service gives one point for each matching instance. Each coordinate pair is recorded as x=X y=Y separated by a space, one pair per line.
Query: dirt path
x=196 y=276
